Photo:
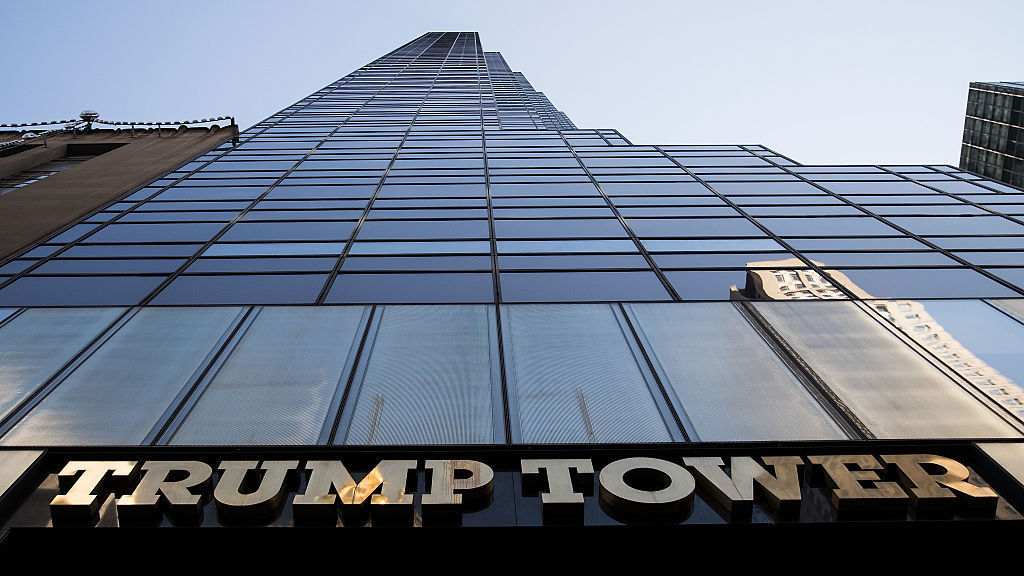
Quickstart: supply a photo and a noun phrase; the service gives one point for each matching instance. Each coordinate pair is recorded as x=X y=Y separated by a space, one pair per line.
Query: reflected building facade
x=428 y=254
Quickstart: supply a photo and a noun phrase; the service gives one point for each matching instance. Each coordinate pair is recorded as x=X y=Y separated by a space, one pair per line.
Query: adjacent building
x=994 y=131
x=426 y=296
x=50 y=181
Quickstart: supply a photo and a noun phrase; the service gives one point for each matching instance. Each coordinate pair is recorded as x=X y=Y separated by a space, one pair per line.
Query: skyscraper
x=428 y=256
x=994 y=131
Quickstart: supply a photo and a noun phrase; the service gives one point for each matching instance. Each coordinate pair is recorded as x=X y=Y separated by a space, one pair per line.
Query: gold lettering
x=849 y=489
x=448 y=492
x=154 y=488
x=561 y=500
x=79 y=502
x=736 y=492
x=940 y=492
x=267 y=496
x=654 y=487
x=318 y=502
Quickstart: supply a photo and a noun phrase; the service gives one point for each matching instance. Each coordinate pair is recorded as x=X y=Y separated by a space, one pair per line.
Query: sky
x=825 y=82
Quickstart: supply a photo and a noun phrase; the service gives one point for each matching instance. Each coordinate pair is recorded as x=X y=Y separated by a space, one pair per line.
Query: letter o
x=671 y=497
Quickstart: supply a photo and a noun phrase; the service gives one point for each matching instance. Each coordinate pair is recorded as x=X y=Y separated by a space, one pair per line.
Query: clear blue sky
x=823 y=82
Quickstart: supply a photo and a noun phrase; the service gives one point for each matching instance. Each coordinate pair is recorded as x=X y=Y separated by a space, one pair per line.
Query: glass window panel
x=730 y=384
x=15 y=266
x=592 y=201
x=977 y=341
x=580 y=227
x=829 y=259
x=576 y=379
x=423 y=229
x=39 y=342
x=208 y=216
x=1013 y=275
x=893 y=188
x=713 y=245
x=391 y=190
x=243 y=289
x=667 y=201
x=1015 y=307
x=581 y=287
x=906 y=199
x=277 y=385
x=280 y=264
x=73 y=233
x=78 y=290
x=790 y=210
x=1002 y=258
x=41 y=251
x=569 y=261
x=283 y=231
x=275 y=249
x=316 y=192
x=886 y=383
x=555 y=212
x=720 y=260
x=655 y=189
x=794 y=201
x=125 y=266
x=936 y=210
x=176 y=232
x=302 y=215
x=857 y=244
x=540 y=189
x=419 y=288
x=119 y=394
x=923 y=283
x=539 y=246
x=369 y=263
x=706 y=285
x=782 y=188
x=357 y=205
x=965 y=225
x=676 y=211
x=403 y=214
x=654 y=227
x=428 y=379
x=827 y=226
x=191 y=193
x=396 y=248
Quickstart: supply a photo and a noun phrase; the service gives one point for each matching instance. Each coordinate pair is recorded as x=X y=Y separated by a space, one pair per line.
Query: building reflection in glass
x=785 y=280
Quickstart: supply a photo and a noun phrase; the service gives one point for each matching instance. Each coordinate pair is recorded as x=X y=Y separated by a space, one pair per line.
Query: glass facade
x=428 y=252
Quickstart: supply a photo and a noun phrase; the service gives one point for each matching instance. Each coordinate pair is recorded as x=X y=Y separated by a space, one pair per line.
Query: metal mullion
x=186 y=398
x=814 y=384
x=499 y=337
x=756 y=222
x=17 y=312
x=369 y=205
x=902 y=230
x=669 y=405
x=622 y=221
x=991 y=302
